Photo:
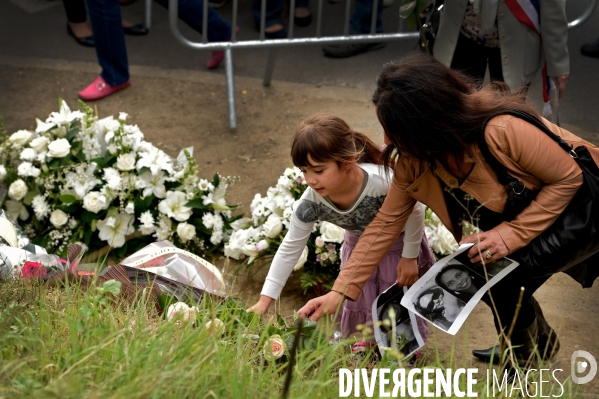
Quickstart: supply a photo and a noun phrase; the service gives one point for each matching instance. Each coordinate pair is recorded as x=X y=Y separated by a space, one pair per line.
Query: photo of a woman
x=440 y=308
x=459 y=281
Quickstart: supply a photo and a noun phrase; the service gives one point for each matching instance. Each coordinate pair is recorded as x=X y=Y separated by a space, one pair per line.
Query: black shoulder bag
x=574 y=236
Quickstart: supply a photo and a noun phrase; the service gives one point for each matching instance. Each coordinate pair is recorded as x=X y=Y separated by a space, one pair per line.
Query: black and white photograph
x=395 y=323
x=449 y=291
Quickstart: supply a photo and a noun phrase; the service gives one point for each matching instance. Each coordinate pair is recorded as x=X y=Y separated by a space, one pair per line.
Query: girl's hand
x=261 y=306
x=486 y=241
x=318 y=307
x=407 y=271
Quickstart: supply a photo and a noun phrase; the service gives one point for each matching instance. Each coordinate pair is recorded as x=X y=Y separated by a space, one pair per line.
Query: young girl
x=348 y=183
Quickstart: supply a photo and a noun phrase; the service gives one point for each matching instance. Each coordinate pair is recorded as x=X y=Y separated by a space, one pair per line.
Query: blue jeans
x=105 y=18
x=274 y=8
x=191 y=12
x=362 y=16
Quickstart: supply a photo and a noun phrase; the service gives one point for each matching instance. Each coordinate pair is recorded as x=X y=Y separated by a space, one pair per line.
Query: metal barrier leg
x=149 y=14
x=230 y=87
x=270 y=65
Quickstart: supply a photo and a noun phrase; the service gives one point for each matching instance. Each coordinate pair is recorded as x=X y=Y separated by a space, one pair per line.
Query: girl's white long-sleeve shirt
x=312 y=207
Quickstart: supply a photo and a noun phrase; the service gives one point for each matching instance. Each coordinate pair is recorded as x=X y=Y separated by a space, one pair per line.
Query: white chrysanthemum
x=26 y=169
x=112 y=177
x=217 y=224
x=208 y=220
x=146 y=219
x=174 y=206
x=216 y=237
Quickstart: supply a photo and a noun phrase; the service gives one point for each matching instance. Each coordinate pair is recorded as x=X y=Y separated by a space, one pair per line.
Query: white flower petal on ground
x=174 y=206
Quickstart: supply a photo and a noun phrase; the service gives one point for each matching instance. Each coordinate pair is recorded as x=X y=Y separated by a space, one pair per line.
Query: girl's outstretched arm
x=261 y=306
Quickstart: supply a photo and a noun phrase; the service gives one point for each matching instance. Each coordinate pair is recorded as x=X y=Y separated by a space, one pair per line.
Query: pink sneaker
x=215 y=59
x=100 y=89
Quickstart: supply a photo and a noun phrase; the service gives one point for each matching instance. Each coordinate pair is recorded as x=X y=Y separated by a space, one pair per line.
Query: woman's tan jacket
x=526 y=152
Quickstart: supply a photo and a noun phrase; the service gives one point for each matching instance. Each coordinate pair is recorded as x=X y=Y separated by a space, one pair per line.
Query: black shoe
x=217 y=3
x=486 y=354
x=591 y=49
x=87 y=41
x=303 y=21
x=351 y=49
x=136 y=30
x=278 y=34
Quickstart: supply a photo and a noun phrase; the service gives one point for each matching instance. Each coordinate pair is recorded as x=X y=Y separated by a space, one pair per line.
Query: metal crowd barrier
x=274 y=44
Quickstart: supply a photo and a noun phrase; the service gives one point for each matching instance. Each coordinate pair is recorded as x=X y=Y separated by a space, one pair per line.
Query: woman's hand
x=407 y=271
x=261 y=306
x=485 y=241
x=317 y=307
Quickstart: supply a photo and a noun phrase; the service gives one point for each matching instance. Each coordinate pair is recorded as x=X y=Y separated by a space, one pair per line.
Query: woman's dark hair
x=429 y=309
x=476 y=280
x=327 y=137
x=431 y=112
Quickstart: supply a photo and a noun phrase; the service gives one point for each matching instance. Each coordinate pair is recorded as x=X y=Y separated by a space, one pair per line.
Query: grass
x=72 y=343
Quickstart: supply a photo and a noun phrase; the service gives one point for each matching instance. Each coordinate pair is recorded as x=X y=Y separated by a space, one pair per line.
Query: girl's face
x=456 y=280
x=325 y=178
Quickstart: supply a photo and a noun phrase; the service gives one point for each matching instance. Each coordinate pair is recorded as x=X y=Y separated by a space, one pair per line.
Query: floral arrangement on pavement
x=260 y=236
x=78 y=178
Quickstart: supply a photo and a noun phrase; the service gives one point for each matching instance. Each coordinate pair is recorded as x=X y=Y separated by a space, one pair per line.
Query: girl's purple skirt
x=360 y=311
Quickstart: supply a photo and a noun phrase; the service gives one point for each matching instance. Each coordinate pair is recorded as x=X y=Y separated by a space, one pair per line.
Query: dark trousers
x=75 y=10
x=506 y=294
x=105 y=18
x=472 y=58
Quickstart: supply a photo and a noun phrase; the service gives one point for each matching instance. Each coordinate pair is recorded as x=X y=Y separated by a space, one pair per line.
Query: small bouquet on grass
x=77 y=178
x=259 y=237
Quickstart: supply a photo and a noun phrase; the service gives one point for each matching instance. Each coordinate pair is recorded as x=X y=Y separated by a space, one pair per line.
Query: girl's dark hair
x=432 y=113
x=327 y=137
x=429 y=309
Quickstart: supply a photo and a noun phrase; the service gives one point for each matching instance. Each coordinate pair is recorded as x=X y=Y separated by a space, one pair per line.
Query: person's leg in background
x=470 y=58
x=77 y=26
x=273 y=25
x=301 y=15
x=219 y=30
x=105 y=18
x=360 y=23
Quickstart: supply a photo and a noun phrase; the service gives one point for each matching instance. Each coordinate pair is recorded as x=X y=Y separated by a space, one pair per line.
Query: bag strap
x=502 y=175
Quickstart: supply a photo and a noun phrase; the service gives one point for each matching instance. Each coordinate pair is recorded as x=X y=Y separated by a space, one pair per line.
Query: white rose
x=60 y=132
x=331 y=232
x=273 y=226
x=215 y=327
x=250 y=250
x=59 y=148
x=180 y=309
x=126 y=162
x=274 y=348
x=58 y=218
x=302 y=260
x=186 y=231
x=95 y=201
x=261 y=245
x=319 y=241
x=445 y=242
x=17 y=190
x=39 y=144
x=22 y=137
